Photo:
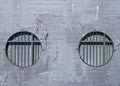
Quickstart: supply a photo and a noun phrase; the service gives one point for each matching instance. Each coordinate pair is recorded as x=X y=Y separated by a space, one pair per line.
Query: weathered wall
x=65 y=22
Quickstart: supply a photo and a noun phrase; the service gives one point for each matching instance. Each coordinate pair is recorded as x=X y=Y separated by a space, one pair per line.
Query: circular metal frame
x=94 y=43
x=32 y=41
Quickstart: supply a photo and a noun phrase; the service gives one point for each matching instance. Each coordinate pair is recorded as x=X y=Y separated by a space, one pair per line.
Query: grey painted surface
x=66 y=21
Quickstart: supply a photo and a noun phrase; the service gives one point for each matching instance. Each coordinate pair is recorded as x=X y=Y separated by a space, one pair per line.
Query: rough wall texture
x=65 y=22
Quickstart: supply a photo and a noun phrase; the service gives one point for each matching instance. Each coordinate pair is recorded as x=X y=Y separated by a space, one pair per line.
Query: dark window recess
x=23 y=49
x=96 y=49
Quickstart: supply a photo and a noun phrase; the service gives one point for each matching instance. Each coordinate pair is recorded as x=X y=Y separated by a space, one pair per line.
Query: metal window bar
x=97 y=49
x=24 y=49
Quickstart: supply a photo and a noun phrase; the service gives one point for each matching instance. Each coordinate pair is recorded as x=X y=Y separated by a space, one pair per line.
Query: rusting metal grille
x=23 y=49
x=96 y=49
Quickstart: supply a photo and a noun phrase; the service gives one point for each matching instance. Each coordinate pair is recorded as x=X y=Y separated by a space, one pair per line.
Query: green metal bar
x=15 y=54
x=108 y=51
x=24 y=51
x=96 y=51
x=87 y=52
x=104 y=49
x=98 y=56
x=97 y=42
x=12 y=53
x=34 y=53
x=107 y=57
x=106 y=41
x=93 y=50
x=18 y=63
x=94 y=41
x=11 y=57
x=19 y=55
x=32 y=47
x=21 y=52
x=22 y=41
x=28 y=51
x=100 y=52
x=90 y=51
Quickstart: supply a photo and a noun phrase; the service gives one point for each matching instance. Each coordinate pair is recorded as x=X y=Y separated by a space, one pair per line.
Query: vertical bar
x=25 y=50
x=87 y=52
x=21 y=51
x=32 y=47
x=100 y=52
x=28 y=52
x=34 y=52
x=90 y=50
x=103 y=48
x=18 y=52
x=15 y=54
x=107 y=57
x=11 y=57
x=10 y=52
x=109 y=50
x=93 y=49
x=96 y=50
x=98 y=59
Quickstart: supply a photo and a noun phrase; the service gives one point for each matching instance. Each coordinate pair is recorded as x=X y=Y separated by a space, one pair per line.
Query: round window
x=23 y=49
x=96 y=49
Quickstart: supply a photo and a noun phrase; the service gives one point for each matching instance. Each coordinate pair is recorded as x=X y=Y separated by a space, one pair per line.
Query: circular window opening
x=96 y=49
x=23 y=49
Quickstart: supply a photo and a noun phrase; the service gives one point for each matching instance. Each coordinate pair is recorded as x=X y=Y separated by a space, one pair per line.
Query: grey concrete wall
x=66 y=21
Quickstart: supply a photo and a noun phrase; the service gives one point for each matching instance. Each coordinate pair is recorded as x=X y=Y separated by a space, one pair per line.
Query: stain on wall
x=59 y=24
